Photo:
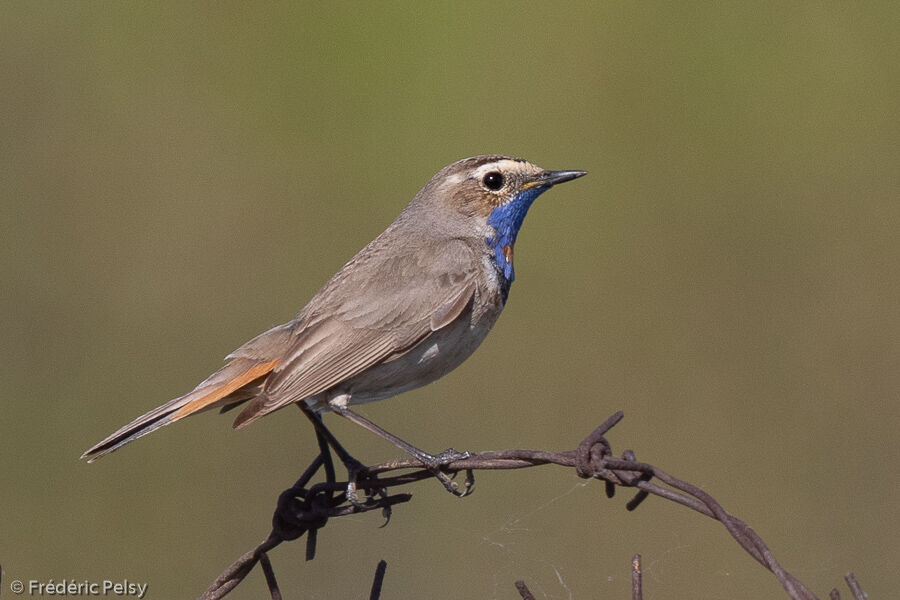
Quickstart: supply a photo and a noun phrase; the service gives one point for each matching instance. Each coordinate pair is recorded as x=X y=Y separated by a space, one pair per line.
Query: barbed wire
x=303 y=510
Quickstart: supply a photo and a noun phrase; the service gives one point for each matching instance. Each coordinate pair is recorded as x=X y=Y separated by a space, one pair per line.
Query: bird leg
x=431 y=462
x=353 y=466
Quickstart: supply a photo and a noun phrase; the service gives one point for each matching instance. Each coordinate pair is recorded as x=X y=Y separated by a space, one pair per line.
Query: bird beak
x=550 y=178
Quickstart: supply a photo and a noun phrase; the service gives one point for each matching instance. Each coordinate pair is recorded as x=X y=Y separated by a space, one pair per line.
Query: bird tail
x=238 y=381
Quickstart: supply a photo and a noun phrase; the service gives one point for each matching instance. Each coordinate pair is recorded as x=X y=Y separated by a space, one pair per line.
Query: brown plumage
x=407 y=309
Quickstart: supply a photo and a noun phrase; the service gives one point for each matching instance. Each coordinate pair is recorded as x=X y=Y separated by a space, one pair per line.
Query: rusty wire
x=304 y=510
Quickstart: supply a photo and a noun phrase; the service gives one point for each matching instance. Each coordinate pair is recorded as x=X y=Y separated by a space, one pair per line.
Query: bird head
x=494 y=193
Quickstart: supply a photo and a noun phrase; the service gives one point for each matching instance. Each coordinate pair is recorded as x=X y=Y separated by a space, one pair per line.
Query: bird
x=407 y=309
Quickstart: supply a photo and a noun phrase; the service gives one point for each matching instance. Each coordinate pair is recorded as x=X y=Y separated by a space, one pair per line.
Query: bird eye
x=493 y=181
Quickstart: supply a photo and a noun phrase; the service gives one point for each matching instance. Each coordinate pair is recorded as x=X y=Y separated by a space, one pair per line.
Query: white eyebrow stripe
x=455 y=178
x=498 y=165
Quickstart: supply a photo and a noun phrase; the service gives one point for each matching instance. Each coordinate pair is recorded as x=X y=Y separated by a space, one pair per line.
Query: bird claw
x=434 y=463
x=452 y=487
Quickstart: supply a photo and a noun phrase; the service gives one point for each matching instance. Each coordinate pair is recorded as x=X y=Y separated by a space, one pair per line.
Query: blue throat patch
x=506 y=221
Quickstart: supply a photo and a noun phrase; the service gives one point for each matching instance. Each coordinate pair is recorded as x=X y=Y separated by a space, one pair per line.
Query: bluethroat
x=407 y=309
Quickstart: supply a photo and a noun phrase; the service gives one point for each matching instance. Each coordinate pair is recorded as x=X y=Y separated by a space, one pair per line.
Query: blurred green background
x=178 y=177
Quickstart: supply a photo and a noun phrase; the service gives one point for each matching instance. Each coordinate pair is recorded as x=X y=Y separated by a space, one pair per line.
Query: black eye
x=493 y=181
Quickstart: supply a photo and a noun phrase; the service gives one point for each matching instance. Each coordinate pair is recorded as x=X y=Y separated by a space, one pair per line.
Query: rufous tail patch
x=254 y=372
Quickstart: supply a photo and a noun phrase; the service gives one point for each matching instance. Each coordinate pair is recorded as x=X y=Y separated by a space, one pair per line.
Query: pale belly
x=430 y=360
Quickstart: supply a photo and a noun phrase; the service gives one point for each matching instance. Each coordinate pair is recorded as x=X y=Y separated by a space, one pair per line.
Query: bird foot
x=448 y=456
x=354 y=470
x=434 y=462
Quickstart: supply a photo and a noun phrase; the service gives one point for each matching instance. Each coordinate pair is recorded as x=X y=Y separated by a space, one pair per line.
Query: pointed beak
x=550 y=178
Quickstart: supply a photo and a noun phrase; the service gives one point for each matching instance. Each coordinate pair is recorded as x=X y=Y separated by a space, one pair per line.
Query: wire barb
x=637 y=592
x=378 y=580
x=524 y=592
x=305 y=510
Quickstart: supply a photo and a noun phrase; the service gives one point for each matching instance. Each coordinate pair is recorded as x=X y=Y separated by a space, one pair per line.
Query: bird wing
x=378 y=306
